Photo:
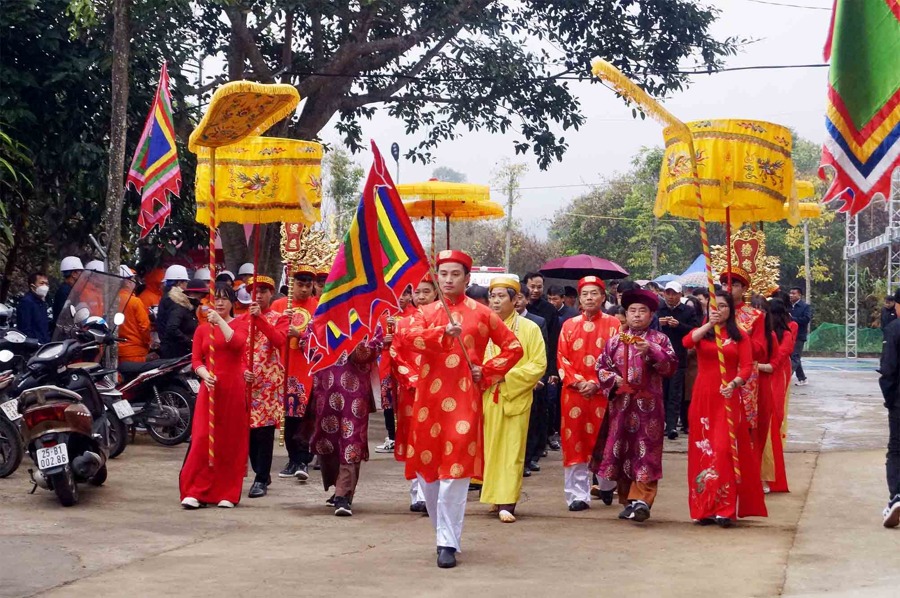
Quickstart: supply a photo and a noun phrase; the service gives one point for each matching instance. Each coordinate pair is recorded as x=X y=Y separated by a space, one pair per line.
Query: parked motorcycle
x=160 y=396
x=67 y=427
x=15 y=349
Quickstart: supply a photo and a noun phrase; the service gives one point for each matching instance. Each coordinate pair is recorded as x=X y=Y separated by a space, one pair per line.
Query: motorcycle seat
x=133 y=368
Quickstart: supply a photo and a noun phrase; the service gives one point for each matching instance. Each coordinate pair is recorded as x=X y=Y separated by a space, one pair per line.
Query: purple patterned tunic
x=343 y=402
x=634 y=447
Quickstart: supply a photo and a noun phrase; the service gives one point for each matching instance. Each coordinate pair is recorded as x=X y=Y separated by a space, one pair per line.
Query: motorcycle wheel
x=65 y=487
x=11 y=449
x=99 y=477
x=118 y=435
x=182 y=400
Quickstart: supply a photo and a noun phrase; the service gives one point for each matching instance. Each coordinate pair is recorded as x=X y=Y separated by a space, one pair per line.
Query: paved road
x=130 y=538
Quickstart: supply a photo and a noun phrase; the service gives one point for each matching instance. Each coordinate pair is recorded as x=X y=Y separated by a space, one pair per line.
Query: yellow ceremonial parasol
x=236 y=111
x=450 y=201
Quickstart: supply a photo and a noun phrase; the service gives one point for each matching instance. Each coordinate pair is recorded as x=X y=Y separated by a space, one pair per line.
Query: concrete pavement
x=130 y=538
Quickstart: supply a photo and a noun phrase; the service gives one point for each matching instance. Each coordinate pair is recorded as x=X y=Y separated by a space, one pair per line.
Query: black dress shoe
x=724 y=522
x=579 y=505
x=672 y=435
x=418 y=507
x=258 y=490
x=446 y=557
x=526 y=473
x=544 y=454
x=554 y=445
x=607 y=497
x=533 y=466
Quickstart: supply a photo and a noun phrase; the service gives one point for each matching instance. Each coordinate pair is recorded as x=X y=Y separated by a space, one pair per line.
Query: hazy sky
x=610 y=137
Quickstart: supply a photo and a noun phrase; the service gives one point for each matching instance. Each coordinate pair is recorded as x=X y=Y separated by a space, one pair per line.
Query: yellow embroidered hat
x=260 y=280
x=507 y=281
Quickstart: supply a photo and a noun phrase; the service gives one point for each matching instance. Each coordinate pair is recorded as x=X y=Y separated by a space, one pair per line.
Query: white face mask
x=42 y=291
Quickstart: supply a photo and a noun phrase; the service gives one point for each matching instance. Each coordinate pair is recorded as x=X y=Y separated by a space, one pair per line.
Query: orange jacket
x=136 y=329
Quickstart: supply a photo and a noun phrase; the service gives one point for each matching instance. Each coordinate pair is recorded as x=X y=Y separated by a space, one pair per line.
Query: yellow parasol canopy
x=744 y=165
x=240 y=109
x=454 y=209
x=261 y=180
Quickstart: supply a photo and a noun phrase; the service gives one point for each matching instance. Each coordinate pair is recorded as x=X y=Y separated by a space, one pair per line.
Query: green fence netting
x=829 y=338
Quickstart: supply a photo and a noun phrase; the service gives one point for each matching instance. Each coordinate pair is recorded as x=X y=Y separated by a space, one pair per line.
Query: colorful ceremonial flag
x=381 y=255
x=154 y=168
x=863 y=114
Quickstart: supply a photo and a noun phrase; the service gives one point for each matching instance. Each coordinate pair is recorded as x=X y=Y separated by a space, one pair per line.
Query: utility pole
x=508 y=176
x=806 y=261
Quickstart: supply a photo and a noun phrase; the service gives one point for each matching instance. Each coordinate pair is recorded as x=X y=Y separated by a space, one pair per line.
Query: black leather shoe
x=554 y=445
x=533 y=466
x=607 y=497
x=418 y=507
x=579 y=505
x=446 y=558
x=258 y=490
x=526 y=473
x=672 y=435
x=723 y=522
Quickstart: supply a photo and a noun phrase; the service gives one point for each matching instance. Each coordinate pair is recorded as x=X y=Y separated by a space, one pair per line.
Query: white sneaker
x=766 y=489
x=892 y=513
x=802 y=382
x=190 y=502
x=226 y=504
x=387 y=447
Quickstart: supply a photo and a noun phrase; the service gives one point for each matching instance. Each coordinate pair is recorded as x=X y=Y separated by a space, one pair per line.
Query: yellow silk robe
x=506 y=420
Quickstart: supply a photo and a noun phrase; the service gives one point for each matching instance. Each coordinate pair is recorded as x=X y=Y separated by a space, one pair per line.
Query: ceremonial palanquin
x=748 y=251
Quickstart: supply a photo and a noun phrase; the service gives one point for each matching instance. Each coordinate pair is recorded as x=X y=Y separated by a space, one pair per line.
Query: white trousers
x=415 y=492
x=446 y=502
x=577 y=483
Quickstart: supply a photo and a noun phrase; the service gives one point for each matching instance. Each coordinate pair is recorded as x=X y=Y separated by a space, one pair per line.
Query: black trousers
x=295 y=442
x=553 y=413
x=795 y=360
x=537 y=427
x=262 y=442
x=674 y=391
x=389 y=423
x=893 y=451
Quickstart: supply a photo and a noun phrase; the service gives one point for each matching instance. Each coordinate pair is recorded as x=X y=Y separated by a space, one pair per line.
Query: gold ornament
x=748 y=251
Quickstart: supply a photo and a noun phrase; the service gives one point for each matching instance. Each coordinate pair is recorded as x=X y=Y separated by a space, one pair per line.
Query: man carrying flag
x=154 y=168
x=443 y=446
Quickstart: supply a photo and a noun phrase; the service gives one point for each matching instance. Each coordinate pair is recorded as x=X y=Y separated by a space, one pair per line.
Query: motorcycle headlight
x=51 y=351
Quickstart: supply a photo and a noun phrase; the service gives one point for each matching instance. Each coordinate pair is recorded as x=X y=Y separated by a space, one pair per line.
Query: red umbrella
x=573 y=267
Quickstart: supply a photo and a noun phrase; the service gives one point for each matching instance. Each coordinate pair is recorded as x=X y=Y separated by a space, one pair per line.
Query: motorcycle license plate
x=123 y=409
x=194 y=384
x=52 y=456
x=11 y=409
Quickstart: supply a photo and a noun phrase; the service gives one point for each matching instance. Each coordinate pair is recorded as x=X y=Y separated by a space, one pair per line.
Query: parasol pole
x=212 y=284
x=448 y=231
x=443 y=301
x=630 y=91
x=728 y=244
x=252 y=337
x=433 y=216
x=287 y=352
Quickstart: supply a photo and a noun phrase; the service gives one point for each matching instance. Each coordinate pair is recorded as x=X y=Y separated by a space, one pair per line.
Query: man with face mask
x=31 y=313
x=631 y=371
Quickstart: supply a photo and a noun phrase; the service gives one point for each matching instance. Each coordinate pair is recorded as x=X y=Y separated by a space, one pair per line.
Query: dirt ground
x=131 y=538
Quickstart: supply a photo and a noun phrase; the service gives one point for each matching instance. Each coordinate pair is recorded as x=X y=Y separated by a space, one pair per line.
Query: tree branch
x=248 y=45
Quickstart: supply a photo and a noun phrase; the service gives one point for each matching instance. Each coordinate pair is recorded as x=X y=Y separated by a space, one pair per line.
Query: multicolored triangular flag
x=863 y=114
x=381 y=255
x=154 y=169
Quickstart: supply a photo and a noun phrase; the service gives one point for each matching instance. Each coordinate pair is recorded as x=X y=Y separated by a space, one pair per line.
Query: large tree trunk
x=115 y=189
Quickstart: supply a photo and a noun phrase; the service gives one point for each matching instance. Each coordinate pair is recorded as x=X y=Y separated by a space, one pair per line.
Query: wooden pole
x=212 y=284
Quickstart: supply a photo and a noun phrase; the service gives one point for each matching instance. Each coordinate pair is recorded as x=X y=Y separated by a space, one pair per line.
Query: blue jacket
x=801 y=312
x=32 y=319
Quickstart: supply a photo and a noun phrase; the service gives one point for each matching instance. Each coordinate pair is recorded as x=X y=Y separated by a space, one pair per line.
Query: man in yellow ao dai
x=507 y=405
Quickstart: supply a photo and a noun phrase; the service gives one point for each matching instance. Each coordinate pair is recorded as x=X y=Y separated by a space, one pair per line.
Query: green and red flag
x=863 y=114
x=154 y=169
x=381 y=255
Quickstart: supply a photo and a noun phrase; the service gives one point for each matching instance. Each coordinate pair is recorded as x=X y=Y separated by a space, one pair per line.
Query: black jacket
x=59 y=300
x=32 y=319
x=564 y=314
x=545 y=309
x=687 y=321
x=176 y=337
x=890 y=365
x=888 y=315
x=542 y=324
x=801 y=312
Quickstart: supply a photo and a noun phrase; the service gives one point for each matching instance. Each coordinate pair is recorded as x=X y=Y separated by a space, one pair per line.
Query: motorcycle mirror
x=81 y=315
x=118 y=319
x=6 y=356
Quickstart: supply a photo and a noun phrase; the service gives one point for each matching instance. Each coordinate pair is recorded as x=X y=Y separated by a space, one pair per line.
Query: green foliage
x=342 y=185
x=448 y=175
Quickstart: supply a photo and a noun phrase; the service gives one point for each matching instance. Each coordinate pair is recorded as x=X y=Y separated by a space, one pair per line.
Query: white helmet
x=244 y=296
x=227 y=273
x=125 y=271
x=203 y=274
x=96 y=266
x=70 y=264
x=176 y=273
x=246 y=269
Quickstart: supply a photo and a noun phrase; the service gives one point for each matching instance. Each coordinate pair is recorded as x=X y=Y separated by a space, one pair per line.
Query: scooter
x=66 y=422
x=15 y=349
x=162 y=395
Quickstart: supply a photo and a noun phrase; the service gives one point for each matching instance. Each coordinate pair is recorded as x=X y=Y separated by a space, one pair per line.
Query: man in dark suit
x=890 y=390
x=537 y=305
x=556 y=295
x=888 y=312
x=801 y=312
x=676 y=319
x=537 y=423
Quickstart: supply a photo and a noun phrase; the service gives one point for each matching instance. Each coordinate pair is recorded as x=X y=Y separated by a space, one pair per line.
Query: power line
x=788 y=5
